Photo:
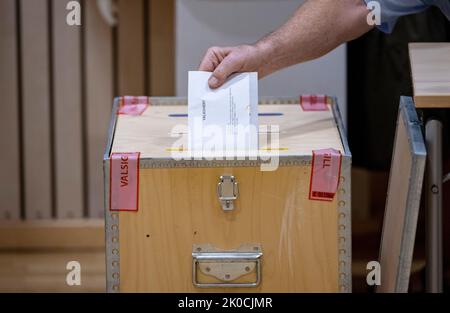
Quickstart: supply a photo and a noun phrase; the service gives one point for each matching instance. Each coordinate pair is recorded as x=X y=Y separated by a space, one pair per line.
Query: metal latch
x=212 y=267
x=227 y=191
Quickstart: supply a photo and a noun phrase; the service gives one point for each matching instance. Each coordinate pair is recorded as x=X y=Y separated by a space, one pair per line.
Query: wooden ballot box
x=190 y=224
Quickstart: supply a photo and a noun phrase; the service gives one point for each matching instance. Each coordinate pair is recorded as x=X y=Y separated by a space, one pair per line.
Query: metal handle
x=226 y=266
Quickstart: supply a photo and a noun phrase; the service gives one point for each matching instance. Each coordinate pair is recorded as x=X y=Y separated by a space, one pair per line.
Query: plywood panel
x=403 y=201
x=299 y=238
x=99 y=95
x=9 y=112
x=36 y=108
x=130 y=33
x=67 y=114
x=395 y=211
x=162 y=47
x=430 y=69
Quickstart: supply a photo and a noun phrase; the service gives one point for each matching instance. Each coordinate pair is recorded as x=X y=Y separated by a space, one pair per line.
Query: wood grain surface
x=430 y=69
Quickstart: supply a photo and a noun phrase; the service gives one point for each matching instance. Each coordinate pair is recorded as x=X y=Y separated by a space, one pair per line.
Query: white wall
x=204 y=23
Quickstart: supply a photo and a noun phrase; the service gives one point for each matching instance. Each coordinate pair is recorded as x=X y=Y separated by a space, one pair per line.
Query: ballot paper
x=223 y=121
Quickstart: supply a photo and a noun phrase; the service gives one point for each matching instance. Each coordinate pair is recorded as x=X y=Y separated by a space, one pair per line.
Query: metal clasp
x=213 y=268
x=227 y=191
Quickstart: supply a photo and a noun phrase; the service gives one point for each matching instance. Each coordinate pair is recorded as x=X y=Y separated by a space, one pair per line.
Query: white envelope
x=223 y=120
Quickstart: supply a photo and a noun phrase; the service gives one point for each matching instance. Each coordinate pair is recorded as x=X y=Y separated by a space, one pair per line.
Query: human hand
x=224 y=61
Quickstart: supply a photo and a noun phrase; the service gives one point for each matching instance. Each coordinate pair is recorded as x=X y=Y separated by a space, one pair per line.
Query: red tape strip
x=325 y=173
x=133 y=105
x=124 y=181
x=314 y=102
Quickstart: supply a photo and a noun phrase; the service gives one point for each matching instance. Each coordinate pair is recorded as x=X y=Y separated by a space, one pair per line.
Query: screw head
x=434 y=189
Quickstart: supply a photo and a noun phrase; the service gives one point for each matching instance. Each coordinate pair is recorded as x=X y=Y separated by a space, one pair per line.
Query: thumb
x=228 y=66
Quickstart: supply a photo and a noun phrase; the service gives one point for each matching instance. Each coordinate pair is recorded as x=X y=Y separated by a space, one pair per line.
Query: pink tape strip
x=124 y=181
x=325 y=173
x=314 y=102
x=131 y=105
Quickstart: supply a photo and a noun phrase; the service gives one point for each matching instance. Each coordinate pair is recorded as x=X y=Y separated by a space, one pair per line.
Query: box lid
x=162 y=128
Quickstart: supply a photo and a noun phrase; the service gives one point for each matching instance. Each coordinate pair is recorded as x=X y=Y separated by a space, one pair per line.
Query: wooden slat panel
x=99 y=97
x=9 y=110
x=67 y=114
x=36 y=108
x=131 y=47
x=162 y=47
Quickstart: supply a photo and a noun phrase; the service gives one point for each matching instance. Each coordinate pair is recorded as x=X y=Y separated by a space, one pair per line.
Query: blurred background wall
x=57 y=84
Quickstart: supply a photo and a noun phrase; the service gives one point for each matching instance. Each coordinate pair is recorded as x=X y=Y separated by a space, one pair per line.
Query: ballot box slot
x=259 y=114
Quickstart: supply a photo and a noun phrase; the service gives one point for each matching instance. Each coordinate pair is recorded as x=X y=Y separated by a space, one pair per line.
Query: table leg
x=433 y=193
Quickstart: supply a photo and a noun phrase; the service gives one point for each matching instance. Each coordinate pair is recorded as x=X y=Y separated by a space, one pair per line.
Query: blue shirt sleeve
x=391 y=10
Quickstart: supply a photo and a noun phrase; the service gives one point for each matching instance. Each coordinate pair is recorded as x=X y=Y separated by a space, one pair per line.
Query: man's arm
x=316 y=28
